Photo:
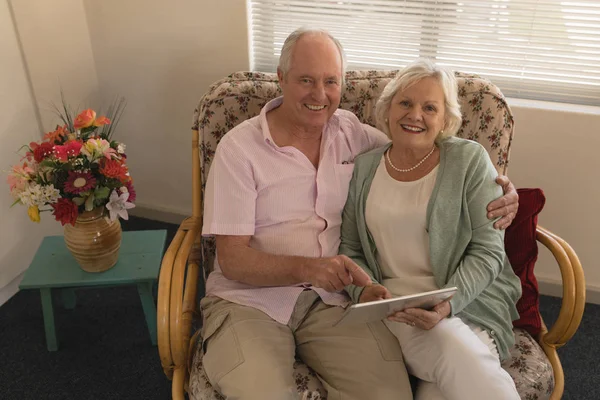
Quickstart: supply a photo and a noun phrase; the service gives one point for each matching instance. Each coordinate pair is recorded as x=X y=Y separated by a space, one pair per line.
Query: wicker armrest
x=177 y=288
x=573 y=301
x=571 y=310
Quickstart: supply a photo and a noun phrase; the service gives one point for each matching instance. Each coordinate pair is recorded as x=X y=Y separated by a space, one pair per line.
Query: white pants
x=454 y=360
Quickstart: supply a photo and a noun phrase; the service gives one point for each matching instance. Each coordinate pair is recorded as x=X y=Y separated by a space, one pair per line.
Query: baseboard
x=552 y=287
x=157 y=213
x=11 y=289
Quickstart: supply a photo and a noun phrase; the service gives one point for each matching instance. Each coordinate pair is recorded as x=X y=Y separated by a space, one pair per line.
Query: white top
x=396 y=219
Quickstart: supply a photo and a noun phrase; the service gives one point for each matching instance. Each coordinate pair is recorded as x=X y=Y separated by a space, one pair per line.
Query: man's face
x=312 y=86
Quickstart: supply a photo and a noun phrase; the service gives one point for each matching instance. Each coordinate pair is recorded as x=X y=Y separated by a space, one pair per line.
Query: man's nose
x=319 y=91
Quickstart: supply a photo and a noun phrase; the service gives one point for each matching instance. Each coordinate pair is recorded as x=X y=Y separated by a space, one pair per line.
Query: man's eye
x=305 y=80
x=332 y=82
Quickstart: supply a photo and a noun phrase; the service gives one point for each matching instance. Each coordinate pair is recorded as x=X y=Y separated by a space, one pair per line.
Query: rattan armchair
x=240 y=96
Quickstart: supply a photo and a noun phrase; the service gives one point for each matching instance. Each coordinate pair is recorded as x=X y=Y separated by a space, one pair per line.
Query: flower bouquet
x=75 y=168
x=79 y=174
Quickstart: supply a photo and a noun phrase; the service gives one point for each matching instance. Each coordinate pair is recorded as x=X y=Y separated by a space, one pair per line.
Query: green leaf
x=78 y=200
x=101 y=192
x=17 y=201
x=89 y=202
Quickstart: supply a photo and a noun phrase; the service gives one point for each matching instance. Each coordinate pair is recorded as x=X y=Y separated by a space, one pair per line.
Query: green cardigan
x=465 y=249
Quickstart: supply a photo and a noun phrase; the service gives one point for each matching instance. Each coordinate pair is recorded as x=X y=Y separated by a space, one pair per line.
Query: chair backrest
x=487 y=118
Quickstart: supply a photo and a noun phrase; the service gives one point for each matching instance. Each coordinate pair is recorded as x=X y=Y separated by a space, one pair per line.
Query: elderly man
x=274 y=198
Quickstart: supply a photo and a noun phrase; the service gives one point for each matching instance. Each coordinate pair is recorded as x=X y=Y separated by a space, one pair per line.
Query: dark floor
x=105 y=351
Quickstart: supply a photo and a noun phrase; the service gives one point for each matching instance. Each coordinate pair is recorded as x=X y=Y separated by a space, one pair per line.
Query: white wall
x=162 y=57
x=557 y=150
x=56 y=44
x=19 y=237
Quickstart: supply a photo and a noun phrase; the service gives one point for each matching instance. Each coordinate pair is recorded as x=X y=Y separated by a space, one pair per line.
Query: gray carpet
x=105 y=350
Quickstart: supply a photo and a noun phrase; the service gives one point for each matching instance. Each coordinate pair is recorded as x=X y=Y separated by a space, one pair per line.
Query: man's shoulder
x=244 y=133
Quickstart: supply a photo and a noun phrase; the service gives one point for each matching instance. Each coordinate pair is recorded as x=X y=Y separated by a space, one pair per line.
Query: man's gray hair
x=411 y=74
x=285 y=59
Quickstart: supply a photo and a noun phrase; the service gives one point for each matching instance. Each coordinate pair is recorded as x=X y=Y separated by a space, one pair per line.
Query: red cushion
x=521 y=248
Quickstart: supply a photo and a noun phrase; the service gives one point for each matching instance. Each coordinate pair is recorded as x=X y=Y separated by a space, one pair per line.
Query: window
x=532 y=49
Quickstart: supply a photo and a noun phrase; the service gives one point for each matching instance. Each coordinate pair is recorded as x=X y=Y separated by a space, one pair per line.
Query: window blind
x=532 y=49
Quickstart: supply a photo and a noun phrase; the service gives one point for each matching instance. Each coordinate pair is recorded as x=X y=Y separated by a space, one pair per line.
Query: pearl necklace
x=387 y=156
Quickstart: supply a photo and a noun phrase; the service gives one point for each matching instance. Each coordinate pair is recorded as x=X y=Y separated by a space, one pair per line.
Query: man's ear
x=279 y=75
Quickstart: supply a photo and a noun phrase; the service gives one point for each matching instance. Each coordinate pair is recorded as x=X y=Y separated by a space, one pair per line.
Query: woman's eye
x=404 y=103
x=430 y=109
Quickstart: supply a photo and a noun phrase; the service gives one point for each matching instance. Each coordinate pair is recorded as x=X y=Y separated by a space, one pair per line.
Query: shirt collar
x=330 y=130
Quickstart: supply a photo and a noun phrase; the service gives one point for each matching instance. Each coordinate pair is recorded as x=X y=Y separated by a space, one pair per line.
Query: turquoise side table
x=53 y=267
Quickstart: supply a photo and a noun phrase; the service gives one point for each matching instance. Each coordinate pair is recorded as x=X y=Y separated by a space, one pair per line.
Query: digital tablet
x=380 y=309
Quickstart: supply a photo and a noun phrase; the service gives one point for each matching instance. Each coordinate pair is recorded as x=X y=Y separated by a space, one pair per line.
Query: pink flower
x=18 y=177
x=84 y=119
x=70 y=149
x=79 y=182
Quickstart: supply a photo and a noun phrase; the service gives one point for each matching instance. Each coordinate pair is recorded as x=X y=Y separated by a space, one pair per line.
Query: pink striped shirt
x=277 y=196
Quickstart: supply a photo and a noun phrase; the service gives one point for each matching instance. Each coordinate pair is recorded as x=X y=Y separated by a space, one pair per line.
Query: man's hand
x=374 y=292
x=334 y=273
x=421 y=318
x=506 y=206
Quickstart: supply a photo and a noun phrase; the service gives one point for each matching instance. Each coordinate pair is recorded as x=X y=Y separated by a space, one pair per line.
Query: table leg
x=48 y=311
x=68 y=298
x=145 y=292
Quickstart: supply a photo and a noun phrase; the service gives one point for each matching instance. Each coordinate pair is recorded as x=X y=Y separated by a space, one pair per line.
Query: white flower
x=38 y=195
x=118 y=205
x=121 y=148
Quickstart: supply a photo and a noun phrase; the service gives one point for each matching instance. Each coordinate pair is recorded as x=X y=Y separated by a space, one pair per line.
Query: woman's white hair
x=285 y=59
x=411 y=74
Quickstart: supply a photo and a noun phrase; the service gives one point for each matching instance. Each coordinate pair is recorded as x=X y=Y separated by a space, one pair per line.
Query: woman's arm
x=484 y=256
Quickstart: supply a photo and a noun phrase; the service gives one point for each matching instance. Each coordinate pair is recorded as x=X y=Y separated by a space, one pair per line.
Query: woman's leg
x=460 y=359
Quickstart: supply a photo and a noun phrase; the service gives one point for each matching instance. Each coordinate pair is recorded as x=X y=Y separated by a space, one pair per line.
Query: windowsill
x=552 y=106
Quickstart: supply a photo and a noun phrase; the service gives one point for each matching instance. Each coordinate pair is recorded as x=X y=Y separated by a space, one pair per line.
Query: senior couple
x=313 y=210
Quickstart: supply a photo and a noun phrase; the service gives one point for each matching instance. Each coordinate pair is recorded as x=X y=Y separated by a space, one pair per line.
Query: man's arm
x=506 y=206
x=242 y=263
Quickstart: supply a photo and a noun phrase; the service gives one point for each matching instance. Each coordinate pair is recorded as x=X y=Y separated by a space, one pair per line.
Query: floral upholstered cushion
x=527 y=365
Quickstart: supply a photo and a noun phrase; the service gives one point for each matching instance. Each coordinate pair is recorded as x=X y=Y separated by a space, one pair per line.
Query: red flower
x=114 y=169
x=70 y=149
x=42 y=151
x=65 y=211
x=131 y=190
x=79 y=182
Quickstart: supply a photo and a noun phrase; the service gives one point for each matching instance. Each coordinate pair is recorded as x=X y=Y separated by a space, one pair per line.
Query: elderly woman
x=415 y=221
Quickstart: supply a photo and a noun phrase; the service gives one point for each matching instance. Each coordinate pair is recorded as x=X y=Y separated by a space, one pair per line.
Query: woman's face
x=417 y=114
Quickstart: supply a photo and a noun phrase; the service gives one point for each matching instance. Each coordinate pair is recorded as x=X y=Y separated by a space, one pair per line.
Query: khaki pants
x=250 y=356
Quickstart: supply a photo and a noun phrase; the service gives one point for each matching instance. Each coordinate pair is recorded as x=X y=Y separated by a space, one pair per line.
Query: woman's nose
x=415 y=114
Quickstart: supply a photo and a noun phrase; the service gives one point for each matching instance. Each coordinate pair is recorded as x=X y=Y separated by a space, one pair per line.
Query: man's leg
x=247 y=354
x=459 y=358
x=354 y=362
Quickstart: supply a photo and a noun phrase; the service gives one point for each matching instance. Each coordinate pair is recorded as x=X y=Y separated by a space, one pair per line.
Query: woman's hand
x=506 y=206
x=374 y=292
x=421 y=318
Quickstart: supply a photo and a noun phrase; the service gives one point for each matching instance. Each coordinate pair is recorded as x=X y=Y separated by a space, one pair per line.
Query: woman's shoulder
x=463 y=149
